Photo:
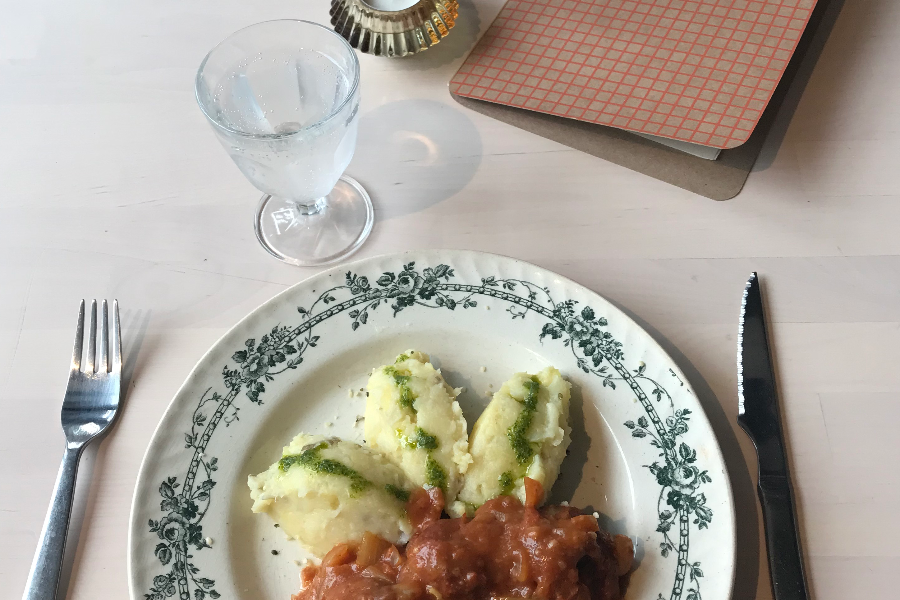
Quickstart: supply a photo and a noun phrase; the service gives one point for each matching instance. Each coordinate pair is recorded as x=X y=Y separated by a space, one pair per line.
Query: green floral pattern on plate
x=178 y=534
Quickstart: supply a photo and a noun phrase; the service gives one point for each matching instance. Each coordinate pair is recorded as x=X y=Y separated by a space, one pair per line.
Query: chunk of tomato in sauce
x=424 y=506
x=367 y=570
x=534 y=493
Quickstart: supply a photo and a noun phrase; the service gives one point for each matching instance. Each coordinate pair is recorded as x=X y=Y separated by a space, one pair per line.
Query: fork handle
x=43 y=579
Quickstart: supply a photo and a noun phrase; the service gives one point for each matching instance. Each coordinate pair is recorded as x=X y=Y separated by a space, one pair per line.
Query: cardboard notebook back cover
x=720 y=179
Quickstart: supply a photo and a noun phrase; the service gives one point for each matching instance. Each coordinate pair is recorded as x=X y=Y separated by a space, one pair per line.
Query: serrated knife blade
x=759 y=416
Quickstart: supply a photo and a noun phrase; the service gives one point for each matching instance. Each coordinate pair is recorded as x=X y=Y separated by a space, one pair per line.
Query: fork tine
x=79 y=339
x=103 y=358
x=116 y=340
x=88 y=366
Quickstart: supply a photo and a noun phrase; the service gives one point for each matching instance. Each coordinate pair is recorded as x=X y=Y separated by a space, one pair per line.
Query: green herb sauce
x=425 y=440
x=401 y=358
x=516 y=434
x=435 y=476
x=312 y=460
x=305 y=458
x=397 y=492
x=407 y=397
x=507 y=483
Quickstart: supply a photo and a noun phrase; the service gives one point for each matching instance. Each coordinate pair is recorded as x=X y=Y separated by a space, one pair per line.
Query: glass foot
x=337 y=230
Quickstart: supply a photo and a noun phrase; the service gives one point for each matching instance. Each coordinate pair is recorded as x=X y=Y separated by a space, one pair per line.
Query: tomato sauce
x=507 y=550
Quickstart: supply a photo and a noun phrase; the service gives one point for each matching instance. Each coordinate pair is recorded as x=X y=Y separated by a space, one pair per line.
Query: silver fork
x=89 y=408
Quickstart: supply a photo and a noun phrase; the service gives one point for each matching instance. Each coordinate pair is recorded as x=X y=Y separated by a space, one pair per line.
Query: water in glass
x=278 y=95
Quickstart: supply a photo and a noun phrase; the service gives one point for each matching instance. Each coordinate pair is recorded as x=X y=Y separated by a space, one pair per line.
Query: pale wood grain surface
x=113 y=186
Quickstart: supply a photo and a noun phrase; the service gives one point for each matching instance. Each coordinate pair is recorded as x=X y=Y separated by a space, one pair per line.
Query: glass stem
x=312 y=208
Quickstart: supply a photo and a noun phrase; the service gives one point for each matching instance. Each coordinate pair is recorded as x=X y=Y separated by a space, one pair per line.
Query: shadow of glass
x=413 y=154
x=747 y=528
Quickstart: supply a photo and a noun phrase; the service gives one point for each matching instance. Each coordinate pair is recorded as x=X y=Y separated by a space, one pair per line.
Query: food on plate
x=356 y=507
x=412 y=417
x=325 y=491
x=507 y=550
x=523 y=432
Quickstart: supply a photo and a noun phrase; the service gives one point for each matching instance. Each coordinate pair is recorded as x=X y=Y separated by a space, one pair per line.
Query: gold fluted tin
x=394 y=33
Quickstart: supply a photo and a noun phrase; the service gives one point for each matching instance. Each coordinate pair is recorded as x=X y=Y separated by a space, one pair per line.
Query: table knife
x=759 y=416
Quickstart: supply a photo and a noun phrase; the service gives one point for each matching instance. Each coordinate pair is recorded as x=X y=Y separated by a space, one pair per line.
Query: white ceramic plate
x=643 y=454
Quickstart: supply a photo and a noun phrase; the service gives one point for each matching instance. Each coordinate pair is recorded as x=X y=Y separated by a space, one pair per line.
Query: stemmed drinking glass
x=283 y=99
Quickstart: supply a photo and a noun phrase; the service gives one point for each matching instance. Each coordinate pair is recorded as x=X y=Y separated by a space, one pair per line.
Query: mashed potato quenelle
x=413 y=418
x=524 y=431
x=325 y=491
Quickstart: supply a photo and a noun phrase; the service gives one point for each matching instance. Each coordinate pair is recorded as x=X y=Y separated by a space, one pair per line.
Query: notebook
x=695 y=74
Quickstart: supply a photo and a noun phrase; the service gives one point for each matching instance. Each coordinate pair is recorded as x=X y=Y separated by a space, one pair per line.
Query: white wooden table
x=112 y=185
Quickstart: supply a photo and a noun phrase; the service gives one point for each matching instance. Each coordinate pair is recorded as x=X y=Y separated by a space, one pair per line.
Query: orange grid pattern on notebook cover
x=699 y=71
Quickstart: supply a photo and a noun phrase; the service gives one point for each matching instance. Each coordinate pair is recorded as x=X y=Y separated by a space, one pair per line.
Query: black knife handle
x=782 y=539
